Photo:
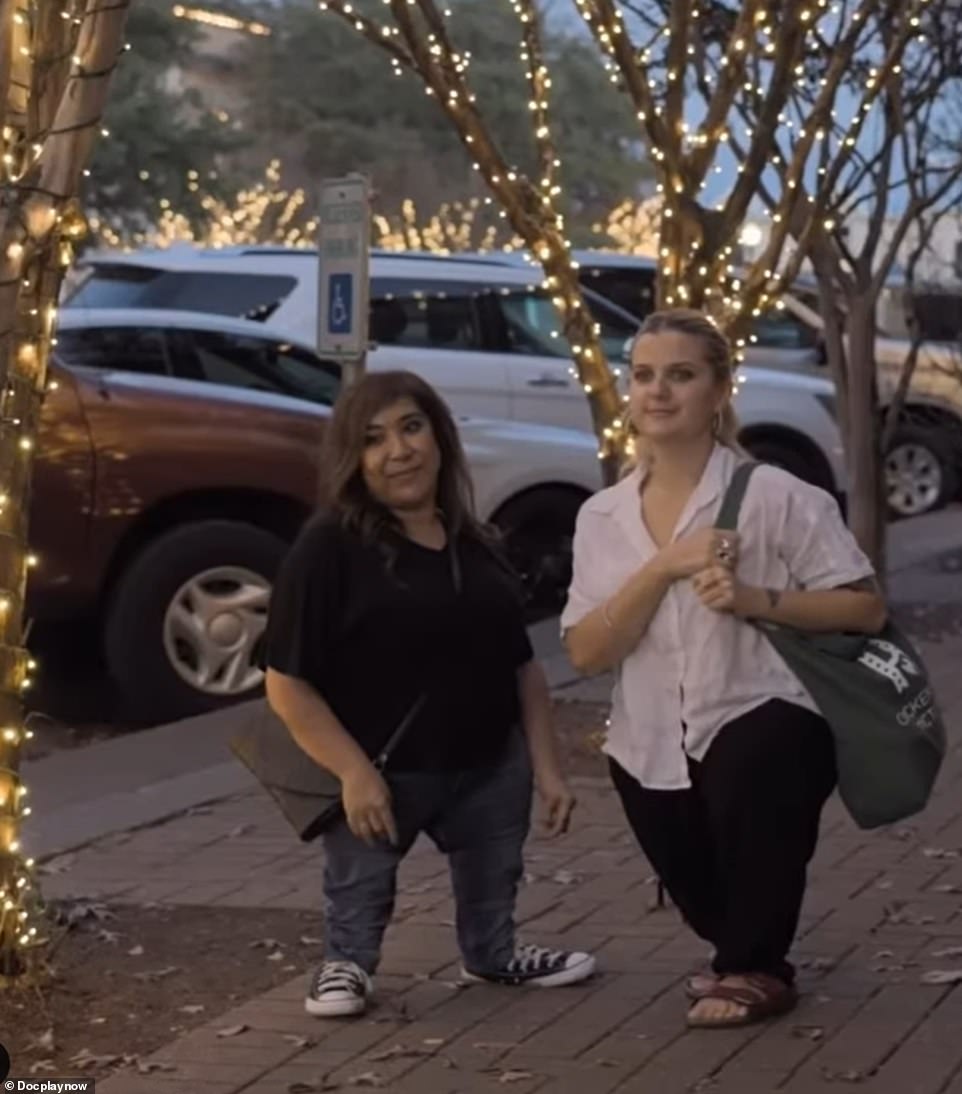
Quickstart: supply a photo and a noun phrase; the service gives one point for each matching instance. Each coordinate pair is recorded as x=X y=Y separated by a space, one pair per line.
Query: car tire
x=180 y=627
x=538 y=534
x=793 y=460
x=921 y=474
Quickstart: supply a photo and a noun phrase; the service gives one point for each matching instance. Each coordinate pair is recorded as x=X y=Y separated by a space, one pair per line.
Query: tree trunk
x=867 y=514
x=64 y=73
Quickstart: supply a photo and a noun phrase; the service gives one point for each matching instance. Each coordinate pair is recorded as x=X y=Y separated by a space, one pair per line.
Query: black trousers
x=732 y=851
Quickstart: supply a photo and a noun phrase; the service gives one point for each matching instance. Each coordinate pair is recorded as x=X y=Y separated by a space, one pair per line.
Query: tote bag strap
x=727 y=519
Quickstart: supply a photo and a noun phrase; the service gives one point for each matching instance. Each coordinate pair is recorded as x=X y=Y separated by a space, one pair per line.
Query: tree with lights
x=783 y=98
x=714 y=86
x=418 y=39
x=56 y=61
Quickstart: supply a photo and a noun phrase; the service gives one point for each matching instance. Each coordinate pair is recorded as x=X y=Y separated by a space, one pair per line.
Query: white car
x=483 y=332
x=924 y=462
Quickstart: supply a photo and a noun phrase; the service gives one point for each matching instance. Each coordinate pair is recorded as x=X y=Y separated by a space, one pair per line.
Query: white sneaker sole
x=335 y=1008
x=572 y=975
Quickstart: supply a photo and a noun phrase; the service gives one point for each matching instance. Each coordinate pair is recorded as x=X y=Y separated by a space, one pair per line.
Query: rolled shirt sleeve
x=818 y=548
x=587 y=590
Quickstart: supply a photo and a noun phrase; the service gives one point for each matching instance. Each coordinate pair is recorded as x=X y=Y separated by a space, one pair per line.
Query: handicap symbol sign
x=340 y=303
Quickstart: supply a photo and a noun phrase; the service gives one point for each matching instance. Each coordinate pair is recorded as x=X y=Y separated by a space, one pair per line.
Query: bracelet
x=606 y=617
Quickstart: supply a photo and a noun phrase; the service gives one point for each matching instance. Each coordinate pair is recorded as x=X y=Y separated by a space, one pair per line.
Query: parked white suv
x=924 y=462
x=482 y=331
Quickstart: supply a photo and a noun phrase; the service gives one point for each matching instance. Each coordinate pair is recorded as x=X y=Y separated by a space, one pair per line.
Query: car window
x=122 y=349
x=425 y=314
x=631 y=289
x=780 y=329
x=257 y=364
x=252 y=296
x=532 y=325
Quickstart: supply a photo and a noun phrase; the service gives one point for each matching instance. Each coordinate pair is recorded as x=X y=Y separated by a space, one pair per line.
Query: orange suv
x=177 y=458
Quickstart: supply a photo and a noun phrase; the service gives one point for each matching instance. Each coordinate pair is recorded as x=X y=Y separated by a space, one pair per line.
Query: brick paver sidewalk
x=880 y=907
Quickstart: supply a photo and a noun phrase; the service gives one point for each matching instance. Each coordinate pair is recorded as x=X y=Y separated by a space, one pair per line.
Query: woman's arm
x=316 y=729
x=606 y=635
x=858 y=607
x=313 y=724
x=542 y=741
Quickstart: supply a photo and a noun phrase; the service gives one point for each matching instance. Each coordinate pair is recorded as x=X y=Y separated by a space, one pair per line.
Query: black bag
x=307 y=794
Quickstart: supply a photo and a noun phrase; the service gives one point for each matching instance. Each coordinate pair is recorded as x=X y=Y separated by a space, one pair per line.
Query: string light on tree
x=51 y=115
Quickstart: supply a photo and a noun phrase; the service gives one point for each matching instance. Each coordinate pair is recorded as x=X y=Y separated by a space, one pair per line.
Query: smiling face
x=401 y=460
x=675 y=392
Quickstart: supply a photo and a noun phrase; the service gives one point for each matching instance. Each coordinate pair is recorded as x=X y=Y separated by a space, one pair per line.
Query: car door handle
x=547 y=380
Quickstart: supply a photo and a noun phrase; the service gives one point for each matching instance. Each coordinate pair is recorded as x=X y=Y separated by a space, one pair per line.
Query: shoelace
x=534 y=959
x=337 y=976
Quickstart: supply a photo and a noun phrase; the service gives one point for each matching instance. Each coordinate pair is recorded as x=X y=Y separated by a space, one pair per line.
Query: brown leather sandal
x=761 y=997
x=700 y=984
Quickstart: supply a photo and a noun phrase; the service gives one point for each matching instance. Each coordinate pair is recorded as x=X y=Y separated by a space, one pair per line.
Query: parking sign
x=344 y=245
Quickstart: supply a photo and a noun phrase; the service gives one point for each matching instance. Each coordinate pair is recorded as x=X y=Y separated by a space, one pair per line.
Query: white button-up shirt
x=696 y=669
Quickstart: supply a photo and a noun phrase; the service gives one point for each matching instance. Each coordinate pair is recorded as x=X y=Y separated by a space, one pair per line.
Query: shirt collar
x=623 y=501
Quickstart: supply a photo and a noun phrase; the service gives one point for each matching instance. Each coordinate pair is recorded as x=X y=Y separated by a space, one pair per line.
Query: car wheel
x=185 y=624
x=538 y=530
x=920 y=472
x=789 y=459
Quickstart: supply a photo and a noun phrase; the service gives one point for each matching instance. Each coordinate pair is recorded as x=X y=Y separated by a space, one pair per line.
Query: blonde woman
x=720 y=757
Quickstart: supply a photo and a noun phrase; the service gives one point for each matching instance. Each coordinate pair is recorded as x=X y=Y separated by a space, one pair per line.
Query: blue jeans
x=479 y=819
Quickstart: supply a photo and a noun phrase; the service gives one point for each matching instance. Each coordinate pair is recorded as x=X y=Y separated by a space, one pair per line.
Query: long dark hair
x=344 y=493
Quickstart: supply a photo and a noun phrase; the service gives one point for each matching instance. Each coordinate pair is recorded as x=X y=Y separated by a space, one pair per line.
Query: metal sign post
x=344 y=244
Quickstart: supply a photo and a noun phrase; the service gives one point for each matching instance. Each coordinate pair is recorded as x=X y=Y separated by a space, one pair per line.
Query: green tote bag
x=874 y=693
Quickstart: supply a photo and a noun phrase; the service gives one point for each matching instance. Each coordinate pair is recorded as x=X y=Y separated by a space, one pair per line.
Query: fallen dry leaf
x=565 y=877
x=148 y=1067
x=136 y=951
x=265 y=944
x=809 y=1033
x=307 y=940
x=949 y=951
x=515 y=1076
x=44 y=1041
x=397 y=1052
x=277 y=955
x=232 y=1031
x=297 y=1040
x=85 y=1059
x=433 y=1041
x=111 y=937
x=947 y=888
x=939 y=852
x=240 y=830
x=366 y=1078
x=157 y=974
x=942 y=976
x=42 y=1065
x=192 y=1008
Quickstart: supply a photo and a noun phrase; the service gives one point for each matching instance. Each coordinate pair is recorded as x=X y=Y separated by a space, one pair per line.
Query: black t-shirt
x=372 y=638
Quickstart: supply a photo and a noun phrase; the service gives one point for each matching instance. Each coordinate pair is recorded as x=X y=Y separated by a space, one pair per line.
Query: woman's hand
x=367 y=805
x=706 y=549
x=719 y=589
x=558 y=800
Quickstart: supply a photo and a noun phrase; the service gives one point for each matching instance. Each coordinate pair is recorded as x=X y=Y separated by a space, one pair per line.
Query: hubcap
x=913 y=479
x=213 y=629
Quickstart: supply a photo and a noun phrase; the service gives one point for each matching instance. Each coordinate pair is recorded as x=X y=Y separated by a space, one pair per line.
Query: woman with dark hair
x=394 y=598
